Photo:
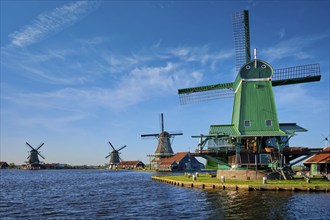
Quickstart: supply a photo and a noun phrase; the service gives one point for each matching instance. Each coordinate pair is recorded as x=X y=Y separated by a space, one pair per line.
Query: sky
x=77 y=74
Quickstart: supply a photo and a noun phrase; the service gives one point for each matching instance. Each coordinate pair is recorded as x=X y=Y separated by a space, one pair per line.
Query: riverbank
x=205 y=181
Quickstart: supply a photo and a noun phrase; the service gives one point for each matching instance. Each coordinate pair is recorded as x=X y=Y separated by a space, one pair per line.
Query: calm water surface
x=103 y=194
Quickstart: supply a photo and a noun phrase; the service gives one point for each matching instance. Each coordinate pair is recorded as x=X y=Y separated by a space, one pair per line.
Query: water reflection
x=269 y=205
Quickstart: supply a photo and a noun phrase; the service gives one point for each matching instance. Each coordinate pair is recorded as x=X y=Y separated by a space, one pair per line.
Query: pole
x=256 y=163
x=162 y=122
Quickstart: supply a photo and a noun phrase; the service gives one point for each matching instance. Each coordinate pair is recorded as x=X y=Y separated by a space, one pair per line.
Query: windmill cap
x=256 y=69
x=164 y=134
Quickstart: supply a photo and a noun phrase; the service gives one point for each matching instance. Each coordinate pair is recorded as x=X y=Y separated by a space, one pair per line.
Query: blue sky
x=78 y=74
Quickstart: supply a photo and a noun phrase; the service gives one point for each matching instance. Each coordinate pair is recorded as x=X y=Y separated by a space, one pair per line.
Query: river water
x=104 y=194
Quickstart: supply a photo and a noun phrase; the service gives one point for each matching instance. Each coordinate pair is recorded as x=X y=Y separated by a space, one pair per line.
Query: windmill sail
x=296 y=74
x=241 y=38
x=108 y=155
x=122 y=148
x=284 y=76
x=243 y=56
x=204 y=93
x=40 y=146
x=33 y=157
x=41 y=155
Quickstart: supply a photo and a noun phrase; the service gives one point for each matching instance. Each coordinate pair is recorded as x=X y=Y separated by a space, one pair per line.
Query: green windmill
x=254 y=137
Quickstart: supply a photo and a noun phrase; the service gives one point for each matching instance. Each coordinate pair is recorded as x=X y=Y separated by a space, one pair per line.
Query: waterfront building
x=3 y=165
x=319 y=164
x=181 y=161
x=136 y=164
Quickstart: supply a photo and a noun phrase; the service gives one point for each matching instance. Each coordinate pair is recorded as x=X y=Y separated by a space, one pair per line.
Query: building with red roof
x=131 y=164
x=319 y=163
x=181 y=161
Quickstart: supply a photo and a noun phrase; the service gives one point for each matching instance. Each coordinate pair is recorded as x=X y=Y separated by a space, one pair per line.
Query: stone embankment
x=246 y=187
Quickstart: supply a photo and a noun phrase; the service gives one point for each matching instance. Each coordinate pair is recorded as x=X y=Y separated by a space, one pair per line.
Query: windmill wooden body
x=164 y=148
x=255 y=135
x=114 y=156
x=33 y=159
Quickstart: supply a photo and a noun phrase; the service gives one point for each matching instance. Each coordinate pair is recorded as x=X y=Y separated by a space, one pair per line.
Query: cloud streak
x=139 y=85
x=51 y=22
x=291 y=48
x=200 y=54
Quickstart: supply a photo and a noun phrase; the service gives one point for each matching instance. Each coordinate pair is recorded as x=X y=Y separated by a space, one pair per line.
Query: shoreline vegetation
x=208 y=182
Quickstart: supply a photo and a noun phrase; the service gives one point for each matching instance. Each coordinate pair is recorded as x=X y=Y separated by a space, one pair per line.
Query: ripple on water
x=101 y=194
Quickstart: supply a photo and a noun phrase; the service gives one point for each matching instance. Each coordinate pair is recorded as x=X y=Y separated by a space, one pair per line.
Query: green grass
x=298 y=182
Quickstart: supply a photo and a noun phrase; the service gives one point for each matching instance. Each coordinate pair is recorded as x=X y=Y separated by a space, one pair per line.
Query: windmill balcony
x=161 y=155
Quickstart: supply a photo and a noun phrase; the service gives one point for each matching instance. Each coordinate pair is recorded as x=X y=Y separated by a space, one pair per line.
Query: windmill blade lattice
x=175 y=133
x=29 y=145
x=122 y=148
x=111 y=145
x=205 y=93
x=41 y=156
x=205 y=96
x=296 y=74
x=108 y=155
x=149 y=136
x=241 y=38
x=40 y=146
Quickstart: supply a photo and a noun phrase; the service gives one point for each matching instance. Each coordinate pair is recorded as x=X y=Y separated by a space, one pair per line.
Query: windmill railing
x=160 y=155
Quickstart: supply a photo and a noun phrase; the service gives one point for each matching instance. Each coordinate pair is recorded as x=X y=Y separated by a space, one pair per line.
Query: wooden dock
x=236 y=187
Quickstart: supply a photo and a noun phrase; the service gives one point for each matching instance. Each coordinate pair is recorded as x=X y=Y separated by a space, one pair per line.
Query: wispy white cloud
x=54 y=79
x=50 y=66
x=200 y=54
x=119 y=63
x=139 y=85
x=291 y=48
x=87 y=76
x=51 y=22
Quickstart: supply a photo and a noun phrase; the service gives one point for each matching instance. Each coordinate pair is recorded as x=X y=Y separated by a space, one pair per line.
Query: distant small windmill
x=164 y=148
x=325 y=140
x=114 y=156
x=33 y=159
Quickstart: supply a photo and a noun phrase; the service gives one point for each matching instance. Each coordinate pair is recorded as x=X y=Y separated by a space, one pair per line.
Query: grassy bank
x=298 y=182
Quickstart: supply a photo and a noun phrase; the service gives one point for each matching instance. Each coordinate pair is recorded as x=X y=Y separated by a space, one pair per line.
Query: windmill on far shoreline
x=164 y=148
x=325 y=140
x=114 y=156
x=33 y=159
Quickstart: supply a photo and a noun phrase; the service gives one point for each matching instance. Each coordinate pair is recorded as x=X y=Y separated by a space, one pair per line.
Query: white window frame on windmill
x=269 y=123
x=247 y=123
